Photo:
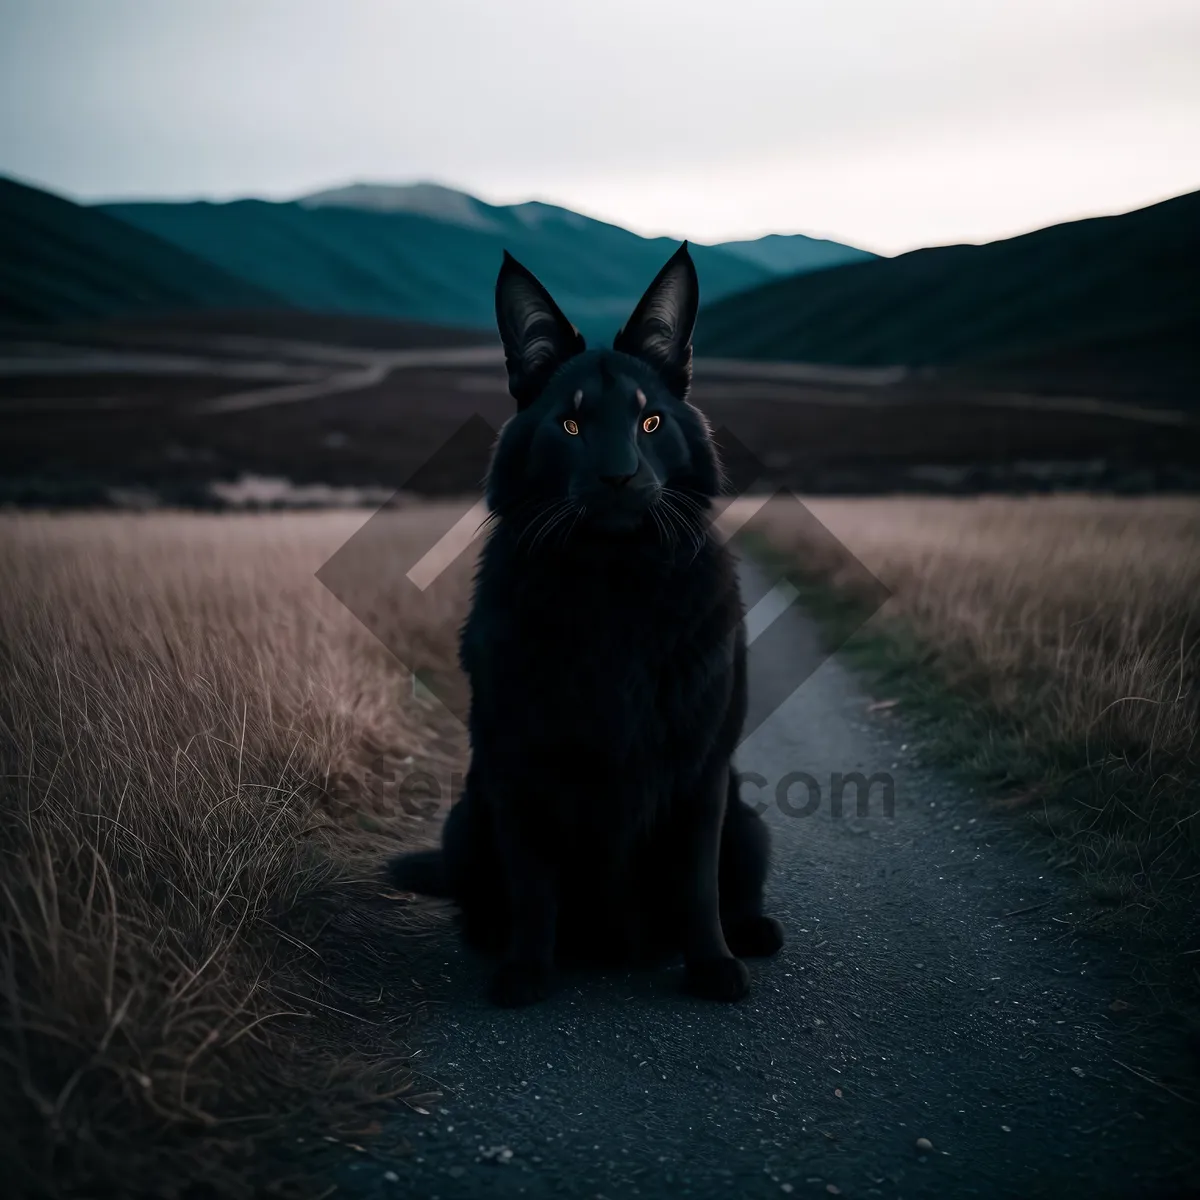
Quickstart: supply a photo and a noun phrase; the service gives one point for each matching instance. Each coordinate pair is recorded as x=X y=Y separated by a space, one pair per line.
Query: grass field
x=191 y=938
x=196 y=958
x=1054 y=643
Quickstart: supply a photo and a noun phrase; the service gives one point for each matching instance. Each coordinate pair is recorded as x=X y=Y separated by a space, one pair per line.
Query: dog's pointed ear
x=660 y=330
x=537 y=338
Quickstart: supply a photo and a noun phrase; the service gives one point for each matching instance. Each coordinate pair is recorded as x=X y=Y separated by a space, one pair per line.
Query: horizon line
x=643 y=232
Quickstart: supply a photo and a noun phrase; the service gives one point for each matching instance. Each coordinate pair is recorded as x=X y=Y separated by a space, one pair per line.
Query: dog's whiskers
x=564 y=509
x=686 y=522
x=537 y=522
x=659 y=527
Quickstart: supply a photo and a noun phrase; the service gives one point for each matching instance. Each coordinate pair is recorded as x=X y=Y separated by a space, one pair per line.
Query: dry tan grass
x=1075 y=621
x=178 y=691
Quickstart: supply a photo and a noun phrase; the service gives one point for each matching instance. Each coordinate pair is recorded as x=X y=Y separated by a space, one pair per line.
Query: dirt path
x=931 y=987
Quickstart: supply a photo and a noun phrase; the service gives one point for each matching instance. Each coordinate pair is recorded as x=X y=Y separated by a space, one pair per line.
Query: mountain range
x=430 y=253
x=780 y=254
x=60 y=261
x=1094 y=299
x=416 y=251
x=1081 y=299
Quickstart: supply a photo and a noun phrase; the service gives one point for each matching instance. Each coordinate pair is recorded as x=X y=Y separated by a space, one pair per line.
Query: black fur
x=422 y=872
x=606 y=653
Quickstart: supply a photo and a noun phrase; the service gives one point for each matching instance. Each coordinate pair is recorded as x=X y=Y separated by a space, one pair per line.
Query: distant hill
x=1119 y=290
x=60 y=261
x=390 y=257
x=780 y=254
x=417 y=252
x=791 y=254
x=425 y=199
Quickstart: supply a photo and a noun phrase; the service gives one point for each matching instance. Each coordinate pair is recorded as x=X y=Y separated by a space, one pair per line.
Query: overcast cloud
x=885 y=123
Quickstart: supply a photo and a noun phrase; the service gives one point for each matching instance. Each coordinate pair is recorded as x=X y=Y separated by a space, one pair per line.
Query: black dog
x=606 y=653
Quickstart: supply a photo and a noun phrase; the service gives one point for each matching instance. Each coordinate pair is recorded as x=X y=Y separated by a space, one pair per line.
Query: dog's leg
x=712 y=971
x=526 y=974
x=745 y=857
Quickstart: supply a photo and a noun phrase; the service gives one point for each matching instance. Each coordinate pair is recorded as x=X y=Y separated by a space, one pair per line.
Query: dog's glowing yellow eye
x=570 y=427
x=651 y=423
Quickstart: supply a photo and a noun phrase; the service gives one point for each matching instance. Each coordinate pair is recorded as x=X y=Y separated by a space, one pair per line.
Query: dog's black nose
x=615 y=480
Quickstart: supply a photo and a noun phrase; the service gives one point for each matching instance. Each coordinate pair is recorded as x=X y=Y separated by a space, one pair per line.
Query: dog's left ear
x=537 y=338
x=660 y=330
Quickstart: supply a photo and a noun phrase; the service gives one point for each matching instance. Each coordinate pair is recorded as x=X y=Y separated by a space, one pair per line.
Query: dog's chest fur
x=620 y=668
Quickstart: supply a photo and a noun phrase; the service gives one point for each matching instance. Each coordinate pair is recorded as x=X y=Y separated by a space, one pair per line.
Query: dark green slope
x=793 y=253
x=404 y=264
x=1129 y=280
x=60 y=261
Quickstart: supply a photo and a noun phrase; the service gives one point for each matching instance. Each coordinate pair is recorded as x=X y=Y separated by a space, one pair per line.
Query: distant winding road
x=933 y=987
x=290 y=372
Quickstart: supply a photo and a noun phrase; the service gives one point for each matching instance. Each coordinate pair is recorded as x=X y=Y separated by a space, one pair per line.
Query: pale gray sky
x=888 y=123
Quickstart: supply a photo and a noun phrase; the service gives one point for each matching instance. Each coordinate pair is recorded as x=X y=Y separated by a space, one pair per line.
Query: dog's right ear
x=537 y=338
x=660 y=330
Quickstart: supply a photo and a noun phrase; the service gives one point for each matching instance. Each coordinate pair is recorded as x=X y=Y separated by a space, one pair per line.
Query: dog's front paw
x=718 y=979
x=755 y=937
x=519 y=983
